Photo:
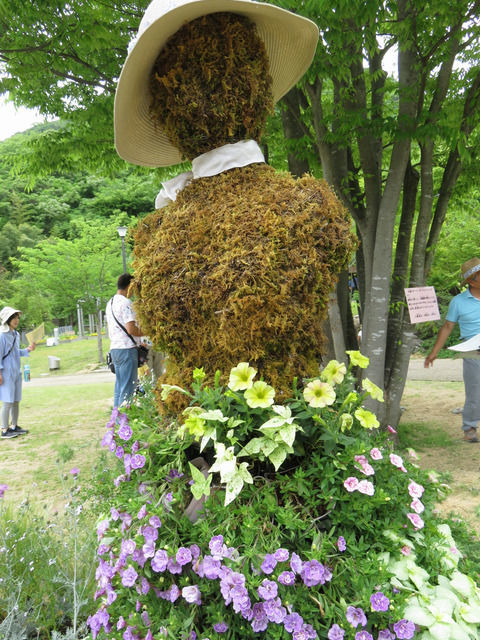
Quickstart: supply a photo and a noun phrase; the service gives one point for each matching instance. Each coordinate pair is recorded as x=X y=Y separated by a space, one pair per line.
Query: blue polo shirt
x=465 y=309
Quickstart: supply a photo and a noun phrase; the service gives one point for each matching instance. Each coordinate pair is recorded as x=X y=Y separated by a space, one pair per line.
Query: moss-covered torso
x=240 y=268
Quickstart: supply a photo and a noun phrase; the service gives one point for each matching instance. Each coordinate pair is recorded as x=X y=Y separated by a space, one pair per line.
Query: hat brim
x=290 y=41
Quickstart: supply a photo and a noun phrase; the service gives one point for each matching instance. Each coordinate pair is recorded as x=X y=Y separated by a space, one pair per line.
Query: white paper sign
x=422 y=304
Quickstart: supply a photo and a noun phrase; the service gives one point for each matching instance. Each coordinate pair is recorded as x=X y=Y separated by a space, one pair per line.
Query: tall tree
x=68 y=271
x=390 y=105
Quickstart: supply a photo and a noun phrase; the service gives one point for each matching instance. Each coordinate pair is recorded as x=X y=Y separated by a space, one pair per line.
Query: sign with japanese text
x=422 y=304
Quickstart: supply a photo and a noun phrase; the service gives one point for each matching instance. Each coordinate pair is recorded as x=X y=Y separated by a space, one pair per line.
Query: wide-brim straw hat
x=468 y=268
x=5 y=314
x=290 y=41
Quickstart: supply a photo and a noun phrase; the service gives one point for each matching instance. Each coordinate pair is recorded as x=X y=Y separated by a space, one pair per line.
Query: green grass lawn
x=66 y=422
x=75 y=356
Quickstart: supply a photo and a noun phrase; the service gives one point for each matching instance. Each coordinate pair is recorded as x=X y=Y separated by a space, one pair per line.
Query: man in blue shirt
x=465 y=309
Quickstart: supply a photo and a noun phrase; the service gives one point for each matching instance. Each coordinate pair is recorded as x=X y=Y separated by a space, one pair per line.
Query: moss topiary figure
x=240 y=266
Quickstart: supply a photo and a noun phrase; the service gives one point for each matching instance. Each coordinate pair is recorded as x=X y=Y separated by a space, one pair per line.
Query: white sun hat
x=5 y=314
x=290 y=41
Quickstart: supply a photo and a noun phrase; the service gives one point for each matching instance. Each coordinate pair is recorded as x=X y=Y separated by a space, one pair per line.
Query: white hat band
x=471 y=271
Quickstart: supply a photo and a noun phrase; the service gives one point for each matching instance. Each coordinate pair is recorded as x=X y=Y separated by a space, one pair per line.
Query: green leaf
x=201 y=484
x=277 y=457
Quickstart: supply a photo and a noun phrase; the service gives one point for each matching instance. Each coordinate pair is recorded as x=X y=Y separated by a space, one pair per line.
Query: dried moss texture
x=240 y=268
x=210 y=84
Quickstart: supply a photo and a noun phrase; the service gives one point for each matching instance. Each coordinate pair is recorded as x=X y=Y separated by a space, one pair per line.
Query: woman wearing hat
x=464 y=308
x=10 y=371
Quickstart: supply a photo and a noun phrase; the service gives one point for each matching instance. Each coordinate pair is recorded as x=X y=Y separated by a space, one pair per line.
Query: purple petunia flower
x=220 y=627
x=335 y=633
x=356 y=616
x=155 y=522
x=211 y=567
x=101 y=529
x=287 y=578
x=148 y=549
x=259 y=619
x=313 y=573
x=216 y=546
x=363 y=635
x=125 y=431
x=138 y=557
x=385 y=634
x=127 y=546
x=404 y=629
x=138 y=461
x=341 y=544
x=129 y=577
x=184 y=556
x=192 y=594
x=269 y=563
x=120 y=452
x=173 y=567
x=293 y=622
x=149 y=533
x=121 y=624
x=274 y=610
x=195 y=551
x=142 y=512
x=379 y=601
x=268 y=590
x=296 y=564
x=281 y=555
x=107 y=439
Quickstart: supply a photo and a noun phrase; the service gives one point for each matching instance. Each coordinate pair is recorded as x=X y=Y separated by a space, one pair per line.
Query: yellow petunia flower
x=346 y=421
x=241 y=377
x=319 y=394
x=371 y=388
x=357 y=360
x=367 y=419
x=260 y=395
x=334 y=372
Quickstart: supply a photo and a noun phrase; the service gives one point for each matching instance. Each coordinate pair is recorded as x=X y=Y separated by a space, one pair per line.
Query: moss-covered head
x=211 y=85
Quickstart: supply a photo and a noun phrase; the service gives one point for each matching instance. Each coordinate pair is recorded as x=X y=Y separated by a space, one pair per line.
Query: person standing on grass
x=122 y=324
x=464 y=308
x=10 y=371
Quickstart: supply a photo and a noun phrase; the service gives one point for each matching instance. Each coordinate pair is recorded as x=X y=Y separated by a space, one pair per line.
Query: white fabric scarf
x=230 y=156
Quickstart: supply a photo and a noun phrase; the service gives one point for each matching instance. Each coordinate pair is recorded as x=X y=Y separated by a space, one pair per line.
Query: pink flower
x=75 y=471
x=351 y=484
x=376 y=454
x=415 y=490
x=366 y=468
x=406 y=550
x=397 y=461
x=391 y=429
x=366 y=487
x=415 y=519
x=417 y=506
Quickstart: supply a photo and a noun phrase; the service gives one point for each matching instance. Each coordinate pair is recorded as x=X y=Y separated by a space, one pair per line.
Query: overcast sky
x=14 y=120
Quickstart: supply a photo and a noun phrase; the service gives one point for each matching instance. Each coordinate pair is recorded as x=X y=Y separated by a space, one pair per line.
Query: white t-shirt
x=123 y=310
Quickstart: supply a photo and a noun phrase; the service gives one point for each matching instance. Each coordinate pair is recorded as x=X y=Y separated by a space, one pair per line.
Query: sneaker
x=9 y=433
x=471 y=435
x=19 y=431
